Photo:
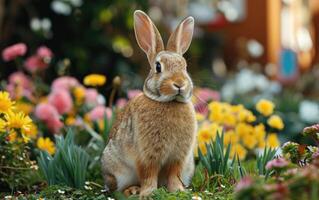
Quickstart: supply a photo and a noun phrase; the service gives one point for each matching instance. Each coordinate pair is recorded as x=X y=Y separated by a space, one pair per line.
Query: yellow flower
x=214 y=128
x=260 y=132
x=12 y=136
x=94 y=80
x=79 y=94
x=242 y=129
x=238 y=150
x=18 y=120
x=229 y=119
x=272 y=140
x=205 y=135
x=202 y=147
x=3 y=125
x=265 y=107
x=199 y=117
x=26 y=108
x=46 y=144
x=249 y=141
x=230 y=137
x=5 y=102
x=237 y=108
x=70 y=121
x=32 y=132
x=275 y=122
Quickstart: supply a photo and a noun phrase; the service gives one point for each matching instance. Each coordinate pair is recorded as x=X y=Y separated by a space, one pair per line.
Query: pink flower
x=133 y=93
x=11 y=52
x=64 y=82
x=206 y=94
x=61 y=100
x=44 y=52
x=120 y=103
x=98 y=113
x=46 y=112
x=49 y=115
x=19 y=78
x=277 y=163
x=244 y=183
x=35 y=63
x=54 y=125
x=19 y=85
x=91 y=96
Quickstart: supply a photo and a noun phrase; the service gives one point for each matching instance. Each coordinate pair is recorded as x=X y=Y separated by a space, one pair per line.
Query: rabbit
x=152 y=140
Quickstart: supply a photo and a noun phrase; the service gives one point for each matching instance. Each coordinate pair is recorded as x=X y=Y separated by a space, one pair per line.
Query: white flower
x=76 y=3
x=46 y=24
x=35 y=24
x=60 y=7
x=8 y=197
x=109 y=198
x=196 y=198
x=309 y=111
x=61 y=191
x=100 y=99
x=87 y=187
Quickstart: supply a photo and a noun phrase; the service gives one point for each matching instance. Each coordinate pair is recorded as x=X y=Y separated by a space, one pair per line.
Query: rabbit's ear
x=180 y=40
x=147 y=35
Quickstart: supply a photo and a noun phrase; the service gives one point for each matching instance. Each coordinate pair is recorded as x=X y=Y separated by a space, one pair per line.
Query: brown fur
x=151 y=142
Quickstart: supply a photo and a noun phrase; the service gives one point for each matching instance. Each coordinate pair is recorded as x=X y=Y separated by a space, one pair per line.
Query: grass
x=215 y=187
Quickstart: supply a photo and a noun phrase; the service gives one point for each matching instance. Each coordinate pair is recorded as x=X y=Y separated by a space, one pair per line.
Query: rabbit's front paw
x=146 y=193
x=175 y=184
x=133 y=190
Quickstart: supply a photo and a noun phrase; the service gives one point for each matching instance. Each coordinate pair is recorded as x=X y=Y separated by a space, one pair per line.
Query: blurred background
x=242 y=49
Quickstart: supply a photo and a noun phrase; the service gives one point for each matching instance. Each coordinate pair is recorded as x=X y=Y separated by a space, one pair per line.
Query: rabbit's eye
x=158 y=67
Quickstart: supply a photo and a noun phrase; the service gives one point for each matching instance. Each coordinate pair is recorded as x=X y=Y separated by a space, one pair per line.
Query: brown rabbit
x=152 y=140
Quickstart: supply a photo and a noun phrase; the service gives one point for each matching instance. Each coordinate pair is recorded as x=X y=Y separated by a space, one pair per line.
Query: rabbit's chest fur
x=163 y=131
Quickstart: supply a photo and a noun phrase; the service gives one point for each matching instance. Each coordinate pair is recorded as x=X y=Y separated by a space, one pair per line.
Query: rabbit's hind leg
x=117 y=174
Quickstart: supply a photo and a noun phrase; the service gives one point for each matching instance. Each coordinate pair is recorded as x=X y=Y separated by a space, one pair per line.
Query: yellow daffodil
x=229 y=119
x=242 y=129
x=238 y=150
x=205 y=135
x=230 y=137
x=94 y=80
x=265 y=107
x=199 y=117
x=46 y=144
x=249 y=141
x=6 y=104
x=275 y=122
x=272 y=140
x=202 y=147
x=237 y=108
x=259 y=132
x=18 y=120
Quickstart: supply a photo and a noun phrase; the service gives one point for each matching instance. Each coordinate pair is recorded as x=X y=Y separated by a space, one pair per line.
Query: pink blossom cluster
x=37 y=62
x=277 y=163
x=14 y=51
x=244 y=183
x=19 y=85
x=60 y=102
x=40 y=60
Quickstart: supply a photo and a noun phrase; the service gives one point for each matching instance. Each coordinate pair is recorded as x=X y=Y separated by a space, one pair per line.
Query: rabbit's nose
x=179 y=87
